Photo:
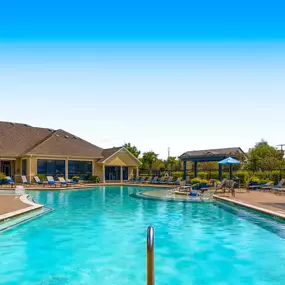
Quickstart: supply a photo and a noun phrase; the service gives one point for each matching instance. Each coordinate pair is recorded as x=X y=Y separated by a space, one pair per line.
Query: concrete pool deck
x=15 y=205
x=261 y=201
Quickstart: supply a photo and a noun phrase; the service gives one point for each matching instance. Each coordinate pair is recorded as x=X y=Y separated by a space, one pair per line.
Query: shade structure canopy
x=229 y=160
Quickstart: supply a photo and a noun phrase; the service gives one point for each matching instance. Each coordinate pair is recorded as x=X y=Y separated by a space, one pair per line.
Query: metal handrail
x=150 y=255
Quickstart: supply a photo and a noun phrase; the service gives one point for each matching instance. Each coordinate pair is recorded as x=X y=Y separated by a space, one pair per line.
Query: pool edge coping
x=24 y=198
x=252 y=207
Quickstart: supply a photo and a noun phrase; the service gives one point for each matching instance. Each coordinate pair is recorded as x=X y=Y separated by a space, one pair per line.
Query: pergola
x=208 y=155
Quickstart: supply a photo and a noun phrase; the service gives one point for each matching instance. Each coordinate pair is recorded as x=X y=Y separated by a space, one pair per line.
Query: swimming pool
x=97 y=236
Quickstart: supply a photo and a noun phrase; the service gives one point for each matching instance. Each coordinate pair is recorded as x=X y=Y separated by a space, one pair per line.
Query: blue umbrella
x=230 y=161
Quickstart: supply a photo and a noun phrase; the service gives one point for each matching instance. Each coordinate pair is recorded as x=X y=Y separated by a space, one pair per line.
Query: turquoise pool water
x=98 y=237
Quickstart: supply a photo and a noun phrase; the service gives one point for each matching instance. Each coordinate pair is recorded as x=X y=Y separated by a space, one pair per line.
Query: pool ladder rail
x=150 y=255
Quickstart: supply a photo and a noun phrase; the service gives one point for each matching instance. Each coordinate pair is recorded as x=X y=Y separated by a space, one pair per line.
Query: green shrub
x=178 y=174
x=203 y=175
x=196 y=180
x=95 y=179
x=42 y=177
x=254 y=179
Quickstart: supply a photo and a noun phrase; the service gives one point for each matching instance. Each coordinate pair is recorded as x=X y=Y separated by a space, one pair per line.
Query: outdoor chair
x=177 y=182
x=64 y=182
x=50 y=181
x=162 y=180
x=170 y=179
x=148 y=180
x=267 y=186
x=38 y=180
x=141 y=180
x=9 y=181
x=154 y=179
x=25 y=180
x=187 y=181
x=278 y=189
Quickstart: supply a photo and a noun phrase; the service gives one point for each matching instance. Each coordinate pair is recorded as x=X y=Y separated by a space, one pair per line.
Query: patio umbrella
x=229 y=161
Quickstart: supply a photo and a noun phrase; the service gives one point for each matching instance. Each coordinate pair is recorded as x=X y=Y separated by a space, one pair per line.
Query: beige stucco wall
x=122 y=158
x=98 y=171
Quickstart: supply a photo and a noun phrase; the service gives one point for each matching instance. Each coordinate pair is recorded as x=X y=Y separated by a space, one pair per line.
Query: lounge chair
x=154 y=179
x=208 y=194
x=278 y=189
x=130 y=180
x=9 y=181
x=267 y=186
x=50 y=181
x=177 y=182
x=141 y=180
x=38 y=180
x=187 y=181
x=137 y=179
x=170 y=179
x=221 y=185
x=148 y=180
x=64 y=182
x=162 y=180
x=25 y=180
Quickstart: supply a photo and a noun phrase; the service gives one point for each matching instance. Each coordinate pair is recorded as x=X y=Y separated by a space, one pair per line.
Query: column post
x=66 y=168
x=195 y=169
x=103 y=173
x=121 y=174
x=137 y=174
x=220 y=172
x=184 y=169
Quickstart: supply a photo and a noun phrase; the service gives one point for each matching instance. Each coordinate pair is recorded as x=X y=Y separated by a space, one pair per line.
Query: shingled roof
x=20 y=139
x=16 y=139
x=211 y=152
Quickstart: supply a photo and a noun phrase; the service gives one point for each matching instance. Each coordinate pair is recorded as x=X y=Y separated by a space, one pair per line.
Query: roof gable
x=111 y=152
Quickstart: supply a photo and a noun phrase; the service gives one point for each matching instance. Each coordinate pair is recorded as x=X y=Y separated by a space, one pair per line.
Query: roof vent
x=50 y=130
x=13 y=124
x=27 y=125
x=74 y=137
x=66 y=136
x=57 y=135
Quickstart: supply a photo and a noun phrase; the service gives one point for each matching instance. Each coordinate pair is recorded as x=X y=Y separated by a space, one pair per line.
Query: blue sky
x=180 y=74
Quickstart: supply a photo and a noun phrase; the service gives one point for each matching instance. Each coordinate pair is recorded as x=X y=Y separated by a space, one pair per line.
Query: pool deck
x=268 y=203
x=14 y=205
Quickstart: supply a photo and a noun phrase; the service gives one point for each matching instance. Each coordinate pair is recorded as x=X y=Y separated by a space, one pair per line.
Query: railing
x=150 y=255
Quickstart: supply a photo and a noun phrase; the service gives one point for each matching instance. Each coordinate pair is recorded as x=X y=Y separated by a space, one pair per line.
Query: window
x=24 y=167
x=83 y=169
x=112 y=173
x=125 y=173
x=51 y=167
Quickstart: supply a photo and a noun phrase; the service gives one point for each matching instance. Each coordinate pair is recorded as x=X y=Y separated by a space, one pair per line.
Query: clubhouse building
x=26 y=150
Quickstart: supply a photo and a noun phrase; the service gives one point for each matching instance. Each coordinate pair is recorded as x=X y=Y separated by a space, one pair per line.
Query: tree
x=171 y=162
x=132 y=149
x=264 y=157
x=149 y=158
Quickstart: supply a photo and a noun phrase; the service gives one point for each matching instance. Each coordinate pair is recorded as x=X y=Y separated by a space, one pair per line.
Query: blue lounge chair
x=141 y=180
x=177 y=182
x=161 y=181
x=154 y=180
x=9 y=181
x=187 y=181
x=148 y=180
x=51 y=181
x=170 y=179
x=38 y=180
x=25 y=180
